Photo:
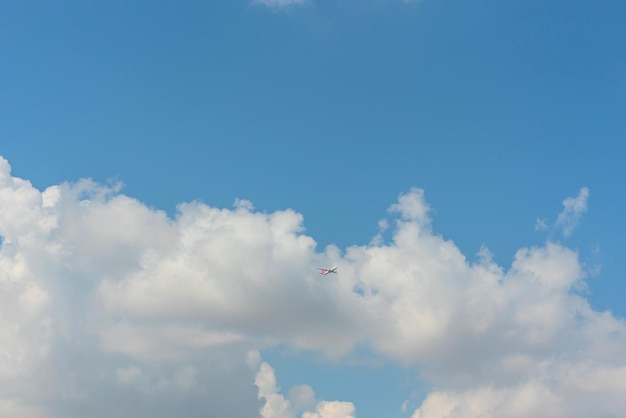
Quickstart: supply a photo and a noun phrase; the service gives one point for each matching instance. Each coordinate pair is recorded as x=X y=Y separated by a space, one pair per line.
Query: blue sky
x=498 y=111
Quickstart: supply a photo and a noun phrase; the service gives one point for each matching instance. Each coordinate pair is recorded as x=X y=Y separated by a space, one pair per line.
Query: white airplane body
x=328 y=271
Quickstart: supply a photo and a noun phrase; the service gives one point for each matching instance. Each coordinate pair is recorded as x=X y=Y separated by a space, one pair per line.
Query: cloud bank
x=126 y=311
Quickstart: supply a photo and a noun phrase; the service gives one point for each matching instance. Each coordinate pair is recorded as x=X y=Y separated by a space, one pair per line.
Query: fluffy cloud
x=61 y=353
x=104 y=298
x=576 y=391
x=276 y=406
x=334 y=409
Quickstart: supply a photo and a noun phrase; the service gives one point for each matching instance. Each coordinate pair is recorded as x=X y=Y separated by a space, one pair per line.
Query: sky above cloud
x=173 y=175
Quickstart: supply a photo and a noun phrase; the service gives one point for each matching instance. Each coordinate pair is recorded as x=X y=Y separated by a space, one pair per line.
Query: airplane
x=327 y=271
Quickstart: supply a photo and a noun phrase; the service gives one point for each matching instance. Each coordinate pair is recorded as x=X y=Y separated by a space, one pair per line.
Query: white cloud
x=575 y=391
x=573 y=209
x=526 y=401
x=57 y=247
x=412 y=207
x=276 y=406
x=334 y=409
x=173 y=308
x=278 y=3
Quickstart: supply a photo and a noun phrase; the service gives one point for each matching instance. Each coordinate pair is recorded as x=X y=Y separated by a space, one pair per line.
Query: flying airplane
x=327 y=271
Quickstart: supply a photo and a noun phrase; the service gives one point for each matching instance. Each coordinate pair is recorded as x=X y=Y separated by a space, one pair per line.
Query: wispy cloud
x=569 y=218
x=573 y=209
x=277 y=4
x=541 y=224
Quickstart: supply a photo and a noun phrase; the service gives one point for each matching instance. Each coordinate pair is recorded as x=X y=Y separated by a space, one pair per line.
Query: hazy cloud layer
x=123 y=310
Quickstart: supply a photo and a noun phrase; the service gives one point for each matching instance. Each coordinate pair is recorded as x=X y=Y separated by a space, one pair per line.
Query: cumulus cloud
x=276 y=406
x=334 y=409
x=577 y=391
x=174 y=311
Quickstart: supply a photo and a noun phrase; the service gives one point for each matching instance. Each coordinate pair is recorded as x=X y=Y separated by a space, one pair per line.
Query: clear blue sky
x=499 y=110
